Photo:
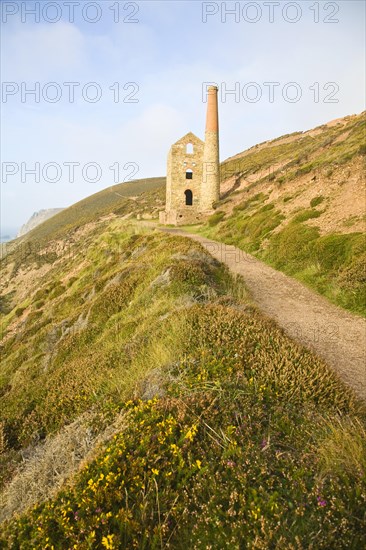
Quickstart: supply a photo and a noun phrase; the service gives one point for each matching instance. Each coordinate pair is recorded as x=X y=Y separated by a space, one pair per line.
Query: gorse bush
x=229 y=455
x=69 y=352
x=221 y=415
x=147 y=404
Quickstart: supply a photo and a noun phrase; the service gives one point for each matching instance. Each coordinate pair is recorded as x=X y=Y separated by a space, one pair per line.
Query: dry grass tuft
x=342 y=448
x=53 y=462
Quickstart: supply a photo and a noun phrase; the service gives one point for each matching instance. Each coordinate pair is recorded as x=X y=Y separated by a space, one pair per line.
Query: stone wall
x=182 y=216
x=179 y=162
x=190 y=199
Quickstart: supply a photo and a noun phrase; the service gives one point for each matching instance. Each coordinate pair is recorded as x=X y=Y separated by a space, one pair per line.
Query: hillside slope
x=326 y=163
x=299 y=203
x=37 y=218
x=146 y=403
x=332 y=333
x=26 y=260
x=141 y=355
x=119 y=199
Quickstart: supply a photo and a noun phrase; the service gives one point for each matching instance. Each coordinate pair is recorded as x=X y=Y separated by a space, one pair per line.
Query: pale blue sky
x=169 y=53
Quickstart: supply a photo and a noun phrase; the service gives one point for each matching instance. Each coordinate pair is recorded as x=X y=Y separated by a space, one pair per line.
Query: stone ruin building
x=193 y=172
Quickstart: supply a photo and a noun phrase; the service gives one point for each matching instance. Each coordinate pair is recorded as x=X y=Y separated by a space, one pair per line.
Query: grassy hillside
x=119 y=199
x=193 y=420
x=146 y=403
x=69 y=234
x=298 y=203
x=287 y=157
x=122 y=200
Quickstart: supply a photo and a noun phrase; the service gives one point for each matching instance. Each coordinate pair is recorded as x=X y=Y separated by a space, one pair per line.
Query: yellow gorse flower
x=256 y=512
x=174 y=448
x=107 y=542
x=191 y=432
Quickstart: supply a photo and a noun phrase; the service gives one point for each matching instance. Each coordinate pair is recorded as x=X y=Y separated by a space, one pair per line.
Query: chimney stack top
x=212 y=118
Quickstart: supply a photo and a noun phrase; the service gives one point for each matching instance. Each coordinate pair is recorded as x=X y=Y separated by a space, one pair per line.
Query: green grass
x=302 y=156
x=79 y=359
x=339 y=259
x=248 y=227
x=117 y=199
x=140 y=361
x=316 y=200
x=215 y=218
x=242 y=448
x=215 y=427
x=339 y=262
x=306 y=214
x=333 y=265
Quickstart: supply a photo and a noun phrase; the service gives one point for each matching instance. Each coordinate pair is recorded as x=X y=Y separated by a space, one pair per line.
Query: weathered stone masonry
x=193 y=176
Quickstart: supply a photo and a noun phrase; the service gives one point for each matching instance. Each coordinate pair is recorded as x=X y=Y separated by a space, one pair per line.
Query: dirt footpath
x=334 y=334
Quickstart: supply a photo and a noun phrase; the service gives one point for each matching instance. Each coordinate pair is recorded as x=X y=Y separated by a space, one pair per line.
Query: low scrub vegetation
x=58 y=363
x=199 y=422
x=145 y=401
x=216 y=218
x=212 y=426
x=295 y=244
x=233 y=443
x=306 y=214
x=332 y=264
x=304 y=154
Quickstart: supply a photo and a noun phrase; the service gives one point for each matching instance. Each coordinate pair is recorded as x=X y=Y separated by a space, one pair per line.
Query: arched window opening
x=189 y=148
x=189 y=174
x=189 y=197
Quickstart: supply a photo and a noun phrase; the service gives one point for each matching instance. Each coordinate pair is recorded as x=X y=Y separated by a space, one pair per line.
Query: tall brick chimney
x=211 y=165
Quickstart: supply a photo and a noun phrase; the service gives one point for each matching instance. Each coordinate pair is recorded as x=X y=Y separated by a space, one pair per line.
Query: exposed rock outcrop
x=38 y=218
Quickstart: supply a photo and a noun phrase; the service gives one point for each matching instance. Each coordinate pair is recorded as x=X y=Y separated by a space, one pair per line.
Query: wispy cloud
x=166 y=57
